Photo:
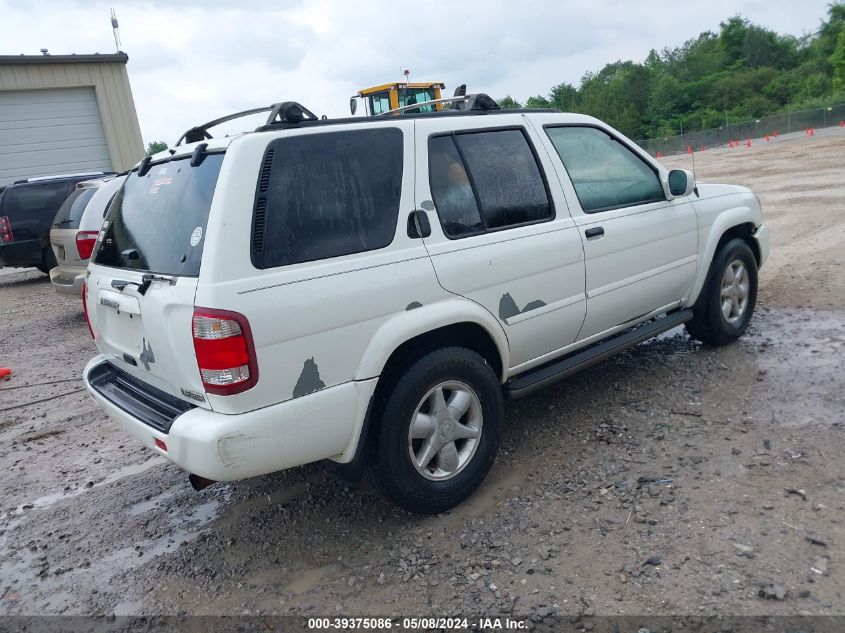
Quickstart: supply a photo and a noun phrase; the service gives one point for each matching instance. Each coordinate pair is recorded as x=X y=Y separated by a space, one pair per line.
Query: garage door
x=48 y=132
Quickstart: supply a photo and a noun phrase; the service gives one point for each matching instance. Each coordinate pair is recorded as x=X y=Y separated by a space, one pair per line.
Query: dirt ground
x=673 y=479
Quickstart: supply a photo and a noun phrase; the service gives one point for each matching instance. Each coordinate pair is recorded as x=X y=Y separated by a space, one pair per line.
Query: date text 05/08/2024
x=424 y=623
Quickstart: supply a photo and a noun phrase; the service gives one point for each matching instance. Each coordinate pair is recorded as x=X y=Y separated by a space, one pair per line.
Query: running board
x=538 y=378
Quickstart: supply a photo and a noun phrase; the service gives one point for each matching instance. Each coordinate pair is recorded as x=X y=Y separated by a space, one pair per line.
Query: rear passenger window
x=483 y=181
x=325 y=195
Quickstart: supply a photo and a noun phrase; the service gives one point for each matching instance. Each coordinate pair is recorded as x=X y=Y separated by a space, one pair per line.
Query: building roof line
x=119 y=57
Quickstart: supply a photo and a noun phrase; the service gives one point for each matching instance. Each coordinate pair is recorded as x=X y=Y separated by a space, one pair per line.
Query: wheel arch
x=402 y=340
x=731 y=224
x=455 y=321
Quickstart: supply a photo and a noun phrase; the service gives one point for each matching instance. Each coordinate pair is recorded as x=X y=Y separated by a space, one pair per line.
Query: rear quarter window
x=326 y=195
x=72 y=209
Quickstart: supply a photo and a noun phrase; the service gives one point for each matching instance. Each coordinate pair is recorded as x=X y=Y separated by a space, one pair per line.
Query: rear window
x=156 y=222
x=46 y=198
x=326 y=195
x=70 y=213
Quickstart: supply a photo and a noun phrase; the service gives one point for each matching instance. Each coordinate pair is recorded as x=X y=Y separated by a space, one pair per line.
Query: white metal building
x=63 y=114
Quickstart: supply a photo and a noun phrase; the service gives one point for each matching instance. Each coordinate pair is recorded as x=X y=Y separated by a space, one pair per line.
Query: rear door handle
x=596 y=231
x=418 y=225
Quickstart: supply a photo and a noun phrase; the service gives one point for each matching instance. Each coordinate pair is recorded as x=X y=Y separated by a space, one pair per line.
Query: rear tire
x=439 y=431
x=48 y=261
x=726 y=303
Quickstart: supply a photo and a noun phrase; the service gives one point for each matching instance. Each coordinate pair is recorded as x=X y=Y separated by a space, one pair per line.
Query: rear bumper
x=761 y=234
x=21 y=254
x=230 y=447
x=68 y=280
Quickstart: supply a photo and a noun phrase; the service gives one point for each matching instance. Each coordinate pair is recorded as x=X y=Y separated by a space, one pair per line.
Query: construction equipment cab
x=367 y=291
x=386 y=97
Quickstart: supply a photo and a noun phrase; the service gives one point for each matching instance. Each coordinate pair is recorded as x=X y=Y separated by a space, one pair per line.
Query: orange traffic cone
x=842 y=124
x=767 y=138
x=748 y=143
x=689 y=149
x=5 y=373
x=775 y=134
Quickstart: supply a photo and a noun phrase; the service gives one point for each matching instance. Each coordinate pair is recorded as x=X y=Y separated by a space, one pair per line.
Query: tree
x=744 y=70
x=837 y=62
x=156 y=146
x=509 y=103
x=732 y=38
x=564 y=97
x=537 y=102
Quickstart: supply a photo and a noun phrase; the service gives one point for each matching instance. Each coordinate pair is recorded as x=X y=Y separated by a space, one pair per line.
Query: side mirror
x=353 y=105
x=681 y=183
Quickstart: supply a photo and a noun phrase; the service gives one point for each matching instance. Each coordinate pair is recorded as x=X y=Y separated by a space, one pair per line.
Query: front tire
x=724 y=309
x=439 y=431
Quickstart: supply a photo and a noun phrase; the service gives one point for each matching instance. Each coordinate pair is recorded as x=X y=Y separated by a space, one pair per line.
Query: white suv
x=369 y=290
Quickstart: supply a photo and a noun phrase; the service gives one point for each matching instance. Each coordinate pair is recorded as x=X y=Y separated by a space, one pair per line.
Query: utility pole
x=728 y=125
x=787 y=117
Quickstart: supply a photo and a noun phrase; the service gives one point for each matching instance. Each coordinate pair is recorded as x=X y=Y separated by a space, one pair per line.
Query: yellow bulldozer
x=401 y=98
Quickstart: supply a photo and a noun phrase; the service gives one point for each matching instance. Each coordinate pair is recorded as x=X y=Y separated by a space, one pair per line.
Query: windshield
x=156 y=222
x=410 y=96
x=70 y=213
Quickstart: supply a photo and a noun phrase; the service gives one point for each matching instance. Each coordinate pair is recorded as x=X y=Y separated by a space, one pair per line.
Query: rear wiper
x=146 y=280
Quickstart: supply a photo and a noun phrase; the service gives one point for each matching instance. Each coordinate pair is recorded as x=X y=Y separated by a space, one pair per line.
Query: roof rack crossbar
x=200 y=132
x=285 y=111
x=475 y=101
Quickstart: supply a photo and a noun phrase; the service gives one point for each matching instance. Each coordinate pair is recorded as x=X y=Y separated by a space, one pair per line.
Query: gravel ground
x=673 y=479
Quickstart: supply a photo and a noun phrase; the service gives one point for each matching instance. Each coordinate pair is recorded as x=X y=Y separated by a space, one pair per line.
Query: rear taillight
x=6 y=230
x=85 y=241
x=85 y=309
x=225 y=352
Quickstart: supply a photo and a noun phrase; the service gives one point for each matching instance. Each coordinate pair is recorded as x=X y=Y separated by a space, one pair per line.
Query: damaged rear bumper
x=226 y=447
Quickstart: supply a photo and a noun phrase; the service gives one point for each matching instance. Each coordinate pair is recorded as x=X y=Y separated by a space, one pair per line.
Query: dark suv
x=27 y=208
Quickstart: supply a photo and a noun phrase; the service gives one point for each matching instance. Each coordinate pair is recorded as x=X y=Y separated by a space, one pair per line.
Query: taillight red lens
x=225 y=351
x=85 y=241
x=85 y=309
x=6 y=230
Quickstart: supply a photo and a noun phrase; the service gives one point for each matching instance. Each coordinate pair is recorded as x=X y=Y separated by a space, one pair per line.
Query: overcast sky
x=192 y=61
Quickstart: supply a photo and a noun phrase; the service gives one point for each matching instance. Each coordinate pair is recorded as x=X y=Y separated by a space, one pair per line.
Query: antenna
x=114 y=28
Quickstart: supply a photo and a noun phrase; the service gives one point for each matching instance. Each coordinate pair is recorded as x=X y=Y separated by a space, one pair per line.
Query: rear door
x=66 y=225
x=143 y=275
x=501 y=235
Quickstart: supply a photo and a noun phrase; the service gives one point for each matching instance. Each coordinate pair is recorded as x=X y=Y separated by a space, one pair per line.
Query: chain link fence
x=741 y=132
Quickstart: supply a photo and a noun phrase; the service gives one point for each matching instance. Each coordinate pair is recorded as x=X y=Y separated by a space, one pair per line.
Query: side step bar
x=535 y=379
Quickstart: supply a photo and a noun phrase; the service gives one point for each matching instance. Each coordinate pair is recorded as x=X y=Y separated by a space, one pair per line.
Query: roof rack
x=94 y=174
x=477 y=101
x=286 y=111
